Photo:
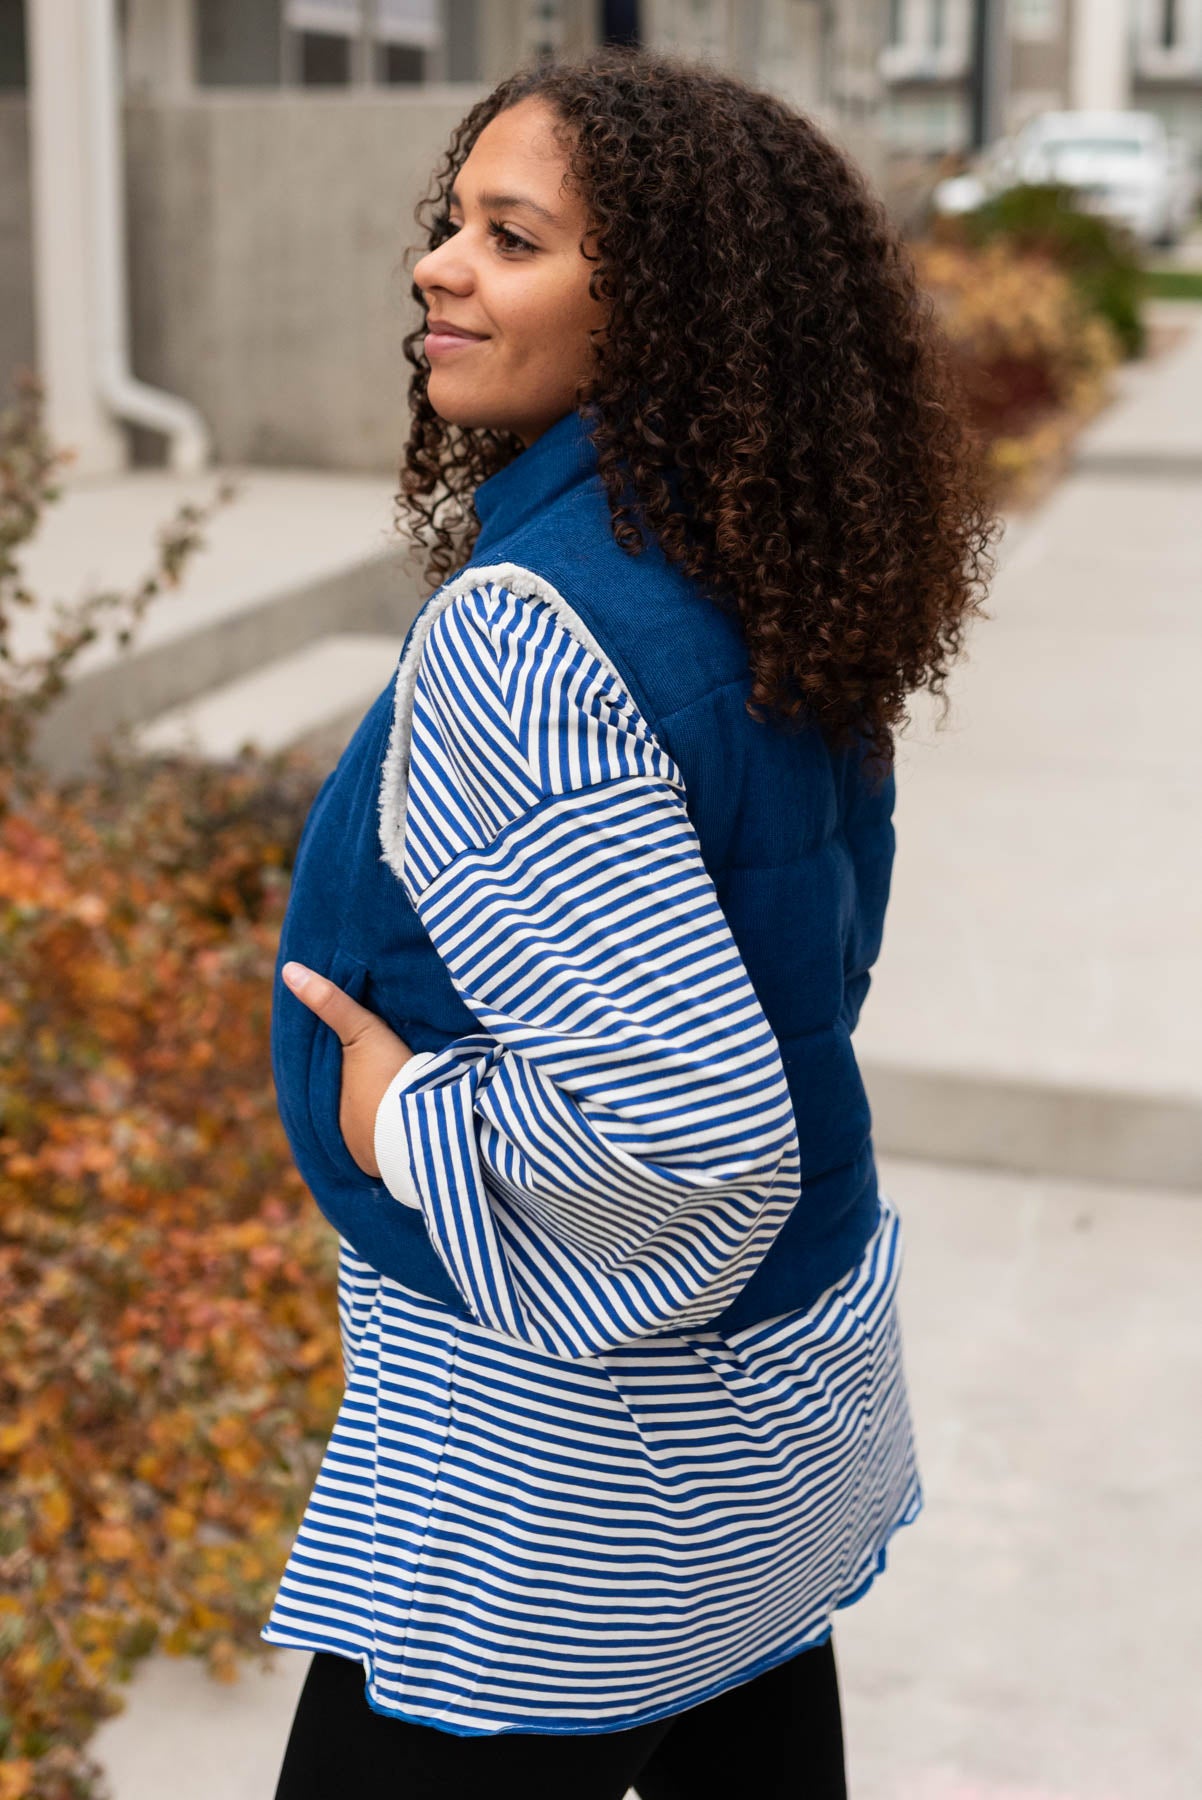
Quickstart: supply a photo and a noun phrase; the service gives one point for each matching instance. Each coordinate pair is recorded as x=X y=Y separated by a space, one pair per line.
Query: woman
x=579 y=931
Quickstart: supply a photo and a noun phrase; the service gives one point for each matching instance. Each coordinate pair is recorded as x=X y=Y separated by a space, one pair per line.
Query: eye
x=508 y=240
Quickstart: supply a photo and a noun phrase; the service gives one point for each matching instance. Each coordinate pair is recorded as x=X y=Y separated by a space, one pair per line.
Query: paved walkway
x=282 y=630
x=1045 y=927
x=1036 y=1634
x=284 y=528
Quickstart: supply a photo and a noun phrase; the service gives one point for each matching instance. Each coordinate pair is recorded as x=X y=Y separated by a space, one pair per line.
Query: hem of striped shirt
x=571 y=1728
x=885 y=1488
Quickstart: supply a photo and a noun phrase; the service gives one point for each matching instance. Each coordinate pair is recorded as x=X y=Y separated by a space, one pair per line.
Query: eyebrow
x=498 y=200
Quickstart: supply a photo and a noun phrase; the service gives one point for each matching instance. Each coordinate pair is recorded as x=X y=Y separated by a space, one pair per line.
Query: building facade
x=207 y=206
x=1167 y=66
x=1044 y=55
x=820 y=55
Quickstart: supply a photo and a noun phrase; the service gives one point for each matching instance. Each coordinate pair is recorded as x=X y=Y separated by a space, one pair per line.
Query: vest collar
x=559 y=459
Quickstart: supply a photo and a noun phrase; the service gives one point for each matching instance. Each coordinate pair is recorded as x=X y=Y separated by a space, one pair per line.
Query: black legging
x=778 y=1736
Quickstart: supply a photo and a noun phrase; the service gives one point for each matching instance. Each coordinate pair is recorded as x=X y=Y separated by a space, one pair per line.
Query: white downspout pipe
x=1100 y=64
x=189 y=441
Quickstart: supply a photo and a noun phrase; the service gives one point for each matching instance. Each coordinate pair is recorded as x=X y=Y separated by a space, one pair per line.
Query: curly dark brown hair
x=768 y=343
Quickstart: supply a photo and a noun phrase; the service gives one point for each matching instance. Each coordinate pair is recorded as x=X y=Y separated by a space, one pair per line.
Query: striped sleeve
x=613 y=1153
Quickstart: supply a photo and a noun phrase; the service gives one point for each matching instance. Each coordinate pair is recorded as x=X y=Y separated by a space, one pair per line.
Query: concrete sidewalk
x=1036 y=1634
x=1035 y=1004
x=283 y=529
x=284 y=628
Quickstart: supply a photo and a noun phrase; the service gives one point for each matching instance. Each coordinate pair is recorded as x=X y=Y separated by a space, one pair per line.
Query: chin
x=466 y=410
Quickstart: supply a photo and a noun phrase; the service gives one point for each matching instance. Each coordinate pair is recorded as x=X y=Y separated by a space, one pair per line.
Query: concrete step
x=371 y=599
x=314 y=695
x=1040 y=1126
x=298 y=554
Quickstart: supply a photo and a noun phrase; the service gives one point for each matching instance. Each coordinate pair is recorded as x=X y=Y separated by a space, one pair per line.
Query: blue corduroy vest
x=799 y=846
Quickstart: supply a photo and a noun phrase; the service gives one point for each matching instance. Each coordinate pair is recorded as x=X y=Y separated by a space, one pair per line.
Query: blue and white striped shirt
x=615 y=1152
x=584 y=1509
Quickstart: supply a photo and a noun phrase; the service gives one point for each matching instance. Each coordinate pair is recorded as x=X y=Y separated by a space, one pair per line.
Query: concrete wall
x=266 y=237
x=267 y=285
x=1038 y=78
x=17 y=343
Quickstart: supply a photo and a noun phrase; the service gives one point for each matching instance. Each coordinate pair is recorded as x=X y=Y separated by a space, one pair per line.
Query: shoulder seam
x=523 y=583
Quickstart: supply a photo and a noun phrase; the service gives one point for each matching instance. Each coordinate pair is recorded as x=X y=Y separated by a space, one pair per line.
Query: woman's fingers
x=372 y=1054
x=337 y=1009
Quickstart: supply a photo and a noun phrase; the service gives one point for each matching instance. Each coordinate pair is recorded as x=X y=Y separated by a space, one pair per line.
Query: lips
x=443 y=328
x=444 y=340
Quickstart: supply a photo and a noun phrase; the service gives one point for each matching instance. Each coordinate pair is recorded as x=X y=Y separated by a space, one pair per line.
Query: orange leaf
x=113 y=1543
x=55 y=1514
x=16 y=1779
x=14 y=1437
x=178 y=1522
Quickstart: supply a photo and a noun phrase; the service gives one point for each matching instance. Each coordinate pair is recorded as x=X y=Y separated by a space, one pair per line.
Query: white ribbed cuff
x=391 y=1138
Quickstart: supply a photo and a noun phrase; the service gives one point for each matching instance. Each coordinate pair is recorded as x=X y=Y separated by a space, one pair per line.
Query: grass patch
x=1173 y=284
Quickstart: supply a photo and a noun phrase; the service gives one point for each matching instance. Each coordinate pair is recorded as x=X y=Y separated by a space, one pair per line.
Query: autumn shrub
x=1033 y=359
x=168 y=1328
x=1043 y=220
x=169 y=1355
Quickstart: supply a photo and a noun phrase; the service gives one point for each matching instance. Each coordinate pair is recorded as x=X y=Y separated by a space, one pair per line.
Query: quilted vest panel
x=798 y=844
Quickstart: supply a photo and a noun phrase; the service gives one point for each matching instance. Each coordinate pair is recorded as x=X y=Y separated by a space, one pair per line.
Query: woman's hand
x=372 y=1054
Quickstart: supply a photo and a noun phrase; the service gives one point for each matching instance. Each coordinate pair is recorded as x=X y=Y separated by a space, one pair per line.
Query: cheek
x=548 y=321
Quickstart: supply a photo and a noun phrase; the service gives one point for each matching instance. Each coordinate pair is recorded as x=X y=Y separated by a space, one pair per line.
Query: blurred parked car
x=1122 y=165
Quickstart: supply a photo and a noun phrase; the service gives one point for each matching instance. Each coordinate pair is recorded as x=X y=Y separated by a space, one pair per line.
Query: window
x=340 y=41
x=928 y=40
x=926 y=127
x=325 y=59
x=1036 y=21
x=1168 y=39
x=938 y=24
x=409 y=24
x=323 y=18
x=620 y=21
x=13 y=72
x=397 y=64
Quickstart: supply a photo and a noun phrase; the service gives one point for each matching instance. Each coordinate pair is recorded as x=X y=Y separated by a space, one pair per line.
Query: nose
x=446 y=266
